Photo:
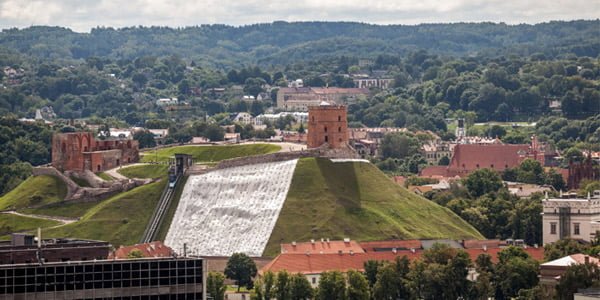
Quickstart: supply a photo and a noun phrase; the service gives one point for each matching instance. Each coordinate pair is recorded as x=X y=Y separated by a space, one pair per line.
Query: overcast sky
x=81 y=15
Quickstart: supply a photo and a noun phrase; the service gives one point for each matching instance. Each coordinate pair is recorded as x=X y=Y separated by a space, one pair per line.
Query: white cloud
x=81 y=15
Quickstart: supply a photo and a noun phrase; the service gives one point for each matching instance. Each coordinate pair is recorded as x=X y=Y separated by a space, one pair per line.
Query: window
x=326 y=139
x=339 y=129
x=325 y=128
x=552 y=228
x=339 y=118
x=576 y=228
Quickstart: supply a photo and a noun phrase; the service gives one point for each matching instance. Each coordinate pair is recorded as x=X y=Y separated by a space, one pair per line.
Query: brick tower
x=327 y=124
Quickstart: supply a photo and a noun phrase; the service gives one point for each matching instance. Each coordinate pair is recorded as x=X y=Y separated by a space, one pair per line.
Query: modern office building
x=146 y=278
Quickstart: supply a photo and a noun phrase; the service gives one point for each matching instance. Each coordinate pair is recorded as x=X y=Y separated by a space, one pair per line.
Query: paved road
x=113 y=172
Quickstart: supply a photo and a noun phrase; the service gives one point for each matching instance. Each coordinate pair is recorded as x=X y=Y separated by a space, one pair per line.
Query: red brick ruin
x=80 y=151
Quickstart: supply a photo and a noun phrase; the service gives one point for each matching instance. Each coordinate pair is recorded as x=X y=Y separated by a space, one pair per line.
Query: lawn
x=120 y=220
x=10 y=223
x=210 y=153
x=356 y=200
x=34 y=191
x=64 y=209
x=144 y=171
x=105 y=176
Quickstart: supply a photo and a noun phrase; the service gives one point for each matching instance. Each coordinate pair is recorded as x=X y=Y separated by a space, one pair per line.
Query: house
x=434 y=150
x=551 y=272
x=121 y=133
x=200 y=140
x=232 y=137
x=566 y=217
x=313 y=264
x=322 y=247
x=243 y=118
x=525 y=190
x=420 y=189
x=167 y=102
x=263 y=97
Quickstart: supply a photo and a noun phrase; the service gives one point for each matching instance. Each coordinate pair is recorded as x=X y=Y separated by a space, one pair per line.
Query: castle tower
x=327 y=124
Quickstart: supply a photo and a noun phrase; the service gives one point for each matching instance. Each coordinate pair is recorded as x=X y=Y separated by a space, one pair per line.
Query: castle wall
x=79 y=151
x=327 y=124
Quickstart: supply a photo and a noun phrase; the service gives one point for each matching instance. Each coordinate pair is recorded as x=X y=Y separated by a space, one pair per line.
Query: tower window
x=325 y=128
x=339 y=118
x=339 y=129
x=326 y=139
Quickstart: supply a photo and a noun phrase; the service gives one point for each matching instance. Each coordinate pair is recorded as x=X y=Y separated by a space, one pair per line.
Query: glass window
x=552 y=228
x=576 y=228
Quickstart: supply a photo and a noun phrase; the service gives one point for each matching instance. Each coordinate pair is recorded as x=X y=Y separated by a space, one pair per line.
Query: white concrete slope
x=230 y=210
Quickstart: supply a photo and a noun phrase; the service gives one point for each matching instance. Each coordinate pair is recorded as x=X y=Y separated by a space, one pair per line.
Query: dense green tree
x=241 y=269
x=371 y=270
x=215 y=285
x=399 y=145
x=332 y=286
x=300 y=288
x=483 y=181
x=562 y=248
x=577 y=276
x=515 y=271
x=283 y=286
x=358 y=286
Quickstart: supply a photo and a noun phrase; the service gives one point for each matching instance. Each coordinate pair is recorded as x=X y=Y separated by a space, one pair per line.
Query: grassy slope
x=210 y=153
x=36 y=190
x=144 y=171
x=356 y=200
x=12 y=223
x=120 y=220
x=67 y=209
x=105 y=176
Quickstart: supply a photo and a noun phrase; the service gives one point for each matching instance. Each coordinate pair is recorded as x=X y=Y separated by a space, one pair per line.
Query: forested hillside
x=284 y=43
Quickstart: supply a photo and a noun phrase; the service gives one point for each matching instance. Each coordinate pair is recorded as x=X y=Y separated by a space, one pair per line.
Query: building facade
x=301 y=98
x=80 y=151
x=327 y=124
x=576 y=218
x=146 y=278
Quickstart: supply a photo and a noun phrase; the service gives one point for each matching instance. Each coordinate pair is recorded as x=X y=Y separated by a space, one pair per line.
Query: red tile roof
x=478 y=244
x=322 y=247
x=318 y=263
x=389 y=245
x=471 y=157
x=153 y=249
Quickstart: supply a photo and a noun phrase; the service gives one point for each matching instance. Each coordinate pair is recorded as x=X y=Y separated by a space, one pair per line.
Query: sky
x=82 y=15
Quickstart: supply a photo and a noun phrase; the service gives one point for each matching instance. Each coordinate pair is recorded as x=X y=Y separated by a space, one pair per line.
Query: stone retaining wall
x=72 y=187
x=322 y=151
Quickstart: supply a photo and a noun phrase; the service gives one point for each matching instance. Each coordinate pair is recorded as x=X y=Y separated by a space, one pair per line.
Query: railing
x=159 y=212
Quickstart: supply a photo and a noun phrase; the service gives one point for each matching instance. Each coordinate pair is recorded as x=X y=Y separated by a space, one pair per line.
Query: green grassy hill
x=144 y=171
x=120 y=220
x=36 y=190
x=210 y=153
x=10 y=223
x=356 y=200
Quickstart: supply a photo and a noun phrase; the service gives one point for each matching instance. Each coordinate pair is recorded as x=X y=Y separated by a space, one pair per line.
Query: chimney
x=39 y=238
x=535 y=246
x=346 y=240
x=351 y=252
x=484 y=248
x=394 y=250
x=586 y=259
x=413 y=250
x=327 y=240
x=294 y=243
x=312 y=241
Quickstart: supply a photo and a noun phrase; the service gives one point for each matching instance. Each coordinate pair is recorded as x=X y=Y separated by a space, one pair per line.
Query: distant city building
x=327 y=124
x=551 y=272
x=80 y=151
x=167 y=101
x=243 y=118
x=579 y=171
x=298 y=83
x=566 y=217
x=301 y=98
x=366 y=83
x=153 y=249
x=299 y=117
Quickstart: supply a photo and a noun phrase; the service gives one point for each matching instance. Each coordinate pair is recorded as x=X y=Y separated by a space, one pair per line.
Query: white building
x=301 y=117
x=576 y=218
x=243 y=118
x=167 y=101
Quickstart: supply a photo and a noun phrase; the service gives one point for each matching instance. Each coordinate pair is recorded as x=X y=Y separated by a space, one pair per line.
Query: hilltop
x=302 y=199
x=356 y=200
